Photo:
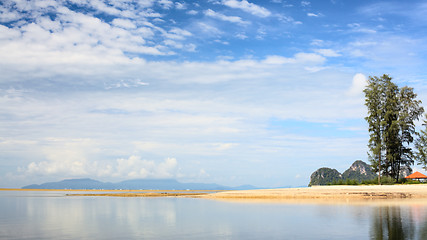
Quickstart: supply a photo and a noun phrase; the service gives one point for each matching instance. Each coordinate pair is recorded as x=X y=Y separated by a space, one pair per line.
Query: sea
x=54 y=215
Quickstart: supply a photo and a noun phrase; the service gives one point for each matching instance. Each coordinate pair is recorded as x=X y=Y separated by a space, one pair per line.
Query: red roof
x=416 y=175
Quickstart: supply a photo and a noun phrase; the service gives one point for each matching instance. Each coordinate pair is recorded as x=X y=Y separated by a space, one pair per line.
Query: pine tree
x=392 y=112
x=409 y=112
x=390 y=126
x=421 y=146
x=374 y=100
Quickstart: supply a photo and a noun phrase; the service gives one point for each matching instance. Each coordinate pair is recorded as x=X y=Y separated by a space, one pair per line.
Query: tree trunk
x=379 y=168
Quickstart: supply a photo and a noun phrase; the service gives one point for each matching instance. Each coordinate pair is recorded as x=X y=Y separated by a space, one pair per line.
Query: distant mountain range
x=135 y=184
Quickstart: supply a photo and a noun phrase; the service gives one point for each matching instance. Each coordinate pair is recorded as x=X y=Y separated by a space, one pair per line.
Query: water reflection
x=396 y=222
x=59 y=217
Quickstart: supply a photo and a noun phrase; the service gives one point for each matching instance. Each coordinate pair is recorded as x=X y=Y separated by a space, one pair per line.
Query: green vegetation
x=421 y=147
x=386 y=180
x=358 y=172
x=392 y=113
x=323 y=176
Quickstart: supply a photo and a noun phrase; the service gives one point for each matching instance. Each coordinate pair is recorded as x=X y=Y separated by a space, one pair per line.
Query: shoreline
x=390 y=194
x=104 y=190
x=341 y=193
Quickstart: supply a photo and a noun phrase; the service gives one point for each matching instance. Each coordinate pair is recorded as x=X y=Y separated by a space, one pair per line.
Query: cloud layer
x=237 y=91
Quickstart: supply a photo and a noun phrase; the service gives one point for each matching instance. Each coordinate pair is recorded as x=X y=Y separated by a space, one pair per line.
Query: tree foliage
x=421 y=146
x=392 y=112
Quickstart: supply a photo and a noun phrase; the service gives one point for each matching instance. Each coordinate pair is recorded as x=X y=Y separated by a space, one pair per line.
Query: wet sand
x=122 y=192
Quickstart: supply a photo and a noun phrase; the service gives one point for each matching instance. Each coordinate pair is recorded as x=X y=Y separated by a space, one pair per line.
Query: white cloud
x=192 y=12
x=190 y=47
x=274 y=59
x=72 y=158
x=209 y=29
x=309 y=58
x=305 y=3
x=64 y=157
x=178 y=34
x=224 y=146
x=241 y=36
x=246 y=6
x=314 y=15
x=356 y=27
x=358 y=85
x=128 y=83
x=166 y=4
x=328 y=52
x=124 y=23
x=233 y=19
x=203 y=173
x=135 y=167
x=319 y=43
x=102 y=7
x=79 y=33
x=8 y=34
x=180 y=5
x=90 y=83
x=186 y=47
x=299 y=58
x=176 y=115
x=8 y=15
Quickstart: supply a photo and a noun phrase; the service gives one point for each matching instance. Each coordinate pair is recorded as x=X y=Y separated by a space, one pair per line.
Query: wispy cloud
x=246 y=6
x=356 y=27
x=314 y=14
x=233 y=19
x=209 y=29
x=328 y=52
x=305 y=3
x=181 y=89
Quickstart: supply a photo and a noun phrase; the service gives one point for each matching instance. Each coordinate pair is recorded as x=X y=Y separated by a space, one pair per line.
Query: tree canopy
x=421 y=146
x=392 y=112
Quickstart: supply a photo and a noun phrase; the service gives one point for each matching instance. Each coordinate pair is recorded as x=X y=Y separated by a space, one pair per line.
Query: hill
x=323 y=176
x=359 y=171
x=82 y=183
x=134 y=184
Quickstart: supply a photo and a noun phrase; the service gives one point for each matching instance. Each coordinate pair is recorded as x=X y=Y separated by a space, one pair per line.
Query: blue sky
x=226 y=91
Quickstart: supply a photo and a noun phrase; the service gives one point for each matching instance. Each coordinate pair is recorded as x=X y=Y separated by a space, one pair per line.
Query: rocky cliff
x=359 y=171
x=323 y=176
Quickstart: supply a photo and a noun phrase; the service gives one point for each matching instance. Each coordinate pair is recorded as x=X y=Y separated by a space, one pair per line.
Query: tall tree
x=392 y=112
x=421 y=146
x=409 y=112
x=390 y=126
x=374 y=100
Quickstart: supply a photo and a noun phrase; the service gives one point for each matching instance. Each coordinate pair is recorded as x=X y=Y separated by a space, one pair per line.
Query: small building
x=417 y=176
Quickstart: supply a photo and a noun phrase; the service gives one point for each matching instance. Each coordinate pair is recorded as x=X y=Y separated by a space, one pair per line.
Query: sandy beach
x=329 y=194
x=309 y=194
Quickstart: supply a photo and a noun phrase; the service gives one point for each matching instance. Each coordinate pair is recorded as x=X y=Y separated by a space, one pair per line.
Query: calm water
x=51 y=215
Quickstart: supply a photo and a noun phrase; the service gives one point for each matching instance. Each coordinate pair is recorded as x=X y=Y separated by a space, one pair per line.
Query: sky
x=230 y=92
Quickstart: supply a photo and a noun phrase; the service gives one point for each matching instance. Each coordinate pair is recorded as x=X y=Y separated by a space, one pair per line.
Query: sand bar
x=122 y=192
x=397 y=193
x=390 y=193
